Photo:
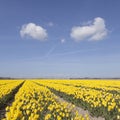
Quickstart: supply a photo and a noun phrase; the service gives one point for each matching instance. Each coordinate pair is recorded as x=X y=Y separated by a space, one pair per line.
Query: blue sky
x=60 y=38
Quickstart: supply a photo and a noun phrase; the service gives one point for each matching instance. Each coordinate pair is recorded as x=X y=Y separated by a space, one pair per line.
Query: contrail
x=74 y=52
x=78 y=51
x=45 y=56
x=50 y=51
x=48 y=54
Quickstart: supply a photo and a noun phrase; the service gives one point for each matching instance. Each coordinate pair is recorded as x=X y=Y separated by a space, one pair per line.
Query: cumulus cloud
x=63 y=40
x=50 y=24
x=94 y=31
x=31 y=30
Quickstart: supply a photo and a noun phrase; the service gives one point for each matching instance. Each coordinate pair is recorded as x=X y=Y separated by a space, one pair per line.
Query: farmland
x=49 y=99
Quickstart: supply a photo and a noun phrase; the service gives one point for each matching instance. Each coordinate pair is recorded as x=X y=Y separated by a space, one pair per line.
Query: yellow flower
x=36 y=117
x=58 y=117
x=28 y=112
x=7 y=108
x=118 y=109
x=18 y=114
x=118 y=117
x=47 y=116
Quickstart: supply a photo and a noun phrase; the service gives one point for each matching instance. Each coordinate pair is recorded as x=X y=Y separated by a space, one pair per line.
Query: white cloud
x=33 y=31
x=87 y=23
x=50 y=24
x=94 y=31
x=62 y=40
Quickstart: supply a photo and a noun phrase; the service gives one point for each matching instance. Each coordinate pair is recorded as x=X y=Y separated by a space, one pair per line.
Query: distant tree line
x=5 y=78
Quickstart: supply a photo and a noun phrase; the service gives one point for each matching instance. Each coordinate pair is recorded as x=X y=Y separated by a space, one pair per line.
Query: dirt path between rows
x=9 y=102
x=76 y=108
x=80 y=110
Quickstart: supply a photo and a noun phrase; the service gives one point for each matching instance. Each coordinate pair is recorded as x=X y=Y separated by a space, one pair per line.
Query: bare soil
x=80 y=110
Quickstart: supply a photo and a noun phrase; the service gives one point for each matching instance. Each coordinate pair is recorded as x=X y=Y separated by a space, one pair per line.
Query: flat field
x=56 y=99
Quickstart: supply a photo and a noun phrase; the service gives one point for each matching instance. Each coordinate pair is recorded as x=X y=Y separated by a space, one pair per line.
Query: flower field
x=7 y=88
x=41 y=99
